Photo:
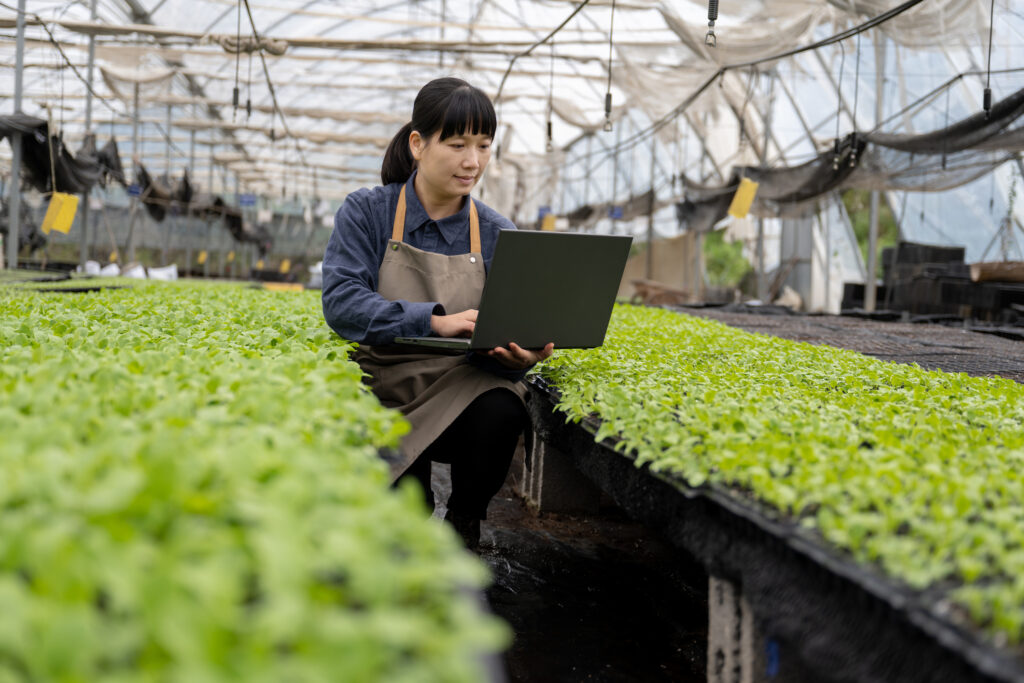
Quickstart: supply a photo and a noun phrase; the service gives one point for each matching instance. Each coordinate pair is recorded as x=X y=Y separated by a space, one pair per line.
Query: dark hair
x=449 y=105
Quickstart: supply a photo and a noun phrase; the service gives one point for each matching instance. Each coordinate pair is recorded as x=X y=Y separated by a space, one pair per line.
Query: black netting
x=108 y=159
x=935 y=161
x=41 y=152
x=212 y=207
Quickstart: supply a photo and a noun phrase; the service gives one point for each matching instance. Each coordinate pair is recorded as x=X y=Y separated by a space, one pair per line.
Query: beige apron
x=430 y=389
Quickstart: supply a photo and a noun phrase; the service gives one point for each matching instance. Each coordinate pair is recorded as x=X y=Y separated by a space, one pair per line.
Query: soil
x=590 y=598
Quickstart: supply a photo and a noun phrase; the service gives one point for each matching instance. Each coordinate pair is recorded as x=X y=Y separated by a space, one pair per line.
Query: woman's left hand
x=518 y=358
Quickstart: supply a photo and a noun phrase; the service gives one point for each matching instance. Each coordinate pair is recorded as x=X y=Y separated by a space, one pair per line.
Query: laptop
x=544 y=287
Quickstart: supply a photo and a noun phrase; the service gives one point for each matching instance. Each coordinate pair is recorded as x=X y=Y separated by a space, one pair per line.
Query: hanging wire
x=551 y=98
x=533 y=47
x=748 y=93
x=71 y=65
x=856 y=93
x=679 y=166
x=660 y=123
x=238 y=59
x=839 y=106
x=270 y=87
x=248 y=92
x=608 y=92
x=988 y=70
x=49 y=146
x=945 y=125
x=61 y=76
x=992 y=193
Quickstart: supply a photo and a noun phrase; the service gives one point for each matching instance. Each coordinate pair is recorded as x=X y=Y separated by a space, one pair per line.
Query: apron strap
x=398 y=229
x=474 y=228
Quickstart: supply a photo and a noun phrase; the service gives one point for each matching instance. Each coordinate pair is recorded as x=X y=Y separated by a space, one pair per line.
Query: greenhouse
x=553 y=340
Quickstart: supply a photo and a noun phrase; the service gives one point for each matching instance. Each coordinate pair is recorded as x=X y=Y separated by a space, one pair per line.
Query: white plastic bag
x=166 y=273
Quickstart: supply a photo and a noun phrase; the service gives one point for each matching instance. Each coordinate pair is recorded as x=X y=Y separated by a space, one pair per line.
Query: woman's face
x=451 y=167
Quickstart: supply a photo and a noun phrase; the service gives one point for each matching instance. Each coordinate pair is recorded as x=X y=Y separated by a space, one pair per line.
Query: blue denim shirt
x=362 y=228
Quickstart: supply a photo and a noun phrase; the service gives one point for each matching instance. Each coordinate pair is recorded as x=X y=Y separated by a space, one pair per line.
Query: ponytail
x=398 y=162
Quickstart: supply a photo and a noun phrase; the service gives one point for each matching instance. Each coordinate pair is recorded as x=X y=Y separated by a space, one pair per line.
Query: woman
x=409 y=258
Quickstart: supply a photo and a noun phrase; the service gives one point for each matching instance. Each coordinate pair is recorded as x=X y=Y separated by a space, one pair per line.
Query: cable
x=856 y=93
x=839 y=107
x=551 y=99
x=608 y=91
x=238 y=58
x=838 y=37
x=67 y=61
x=987 y=98
x=744 y=135
x=932 y=93
x=497 y=97
x=248 y=92
x=270 y=86
x=82 y=78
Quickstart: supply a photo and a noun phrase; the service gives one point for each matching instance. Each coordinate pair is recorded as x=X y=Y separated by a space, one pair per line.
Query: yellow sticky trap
x=283 y=286
x=231 y=256
x=744 y=197
x=113 y=256
x=259 y=265
x=548 y=222
x=201 y=259
x=286 y=265
x=61 y=213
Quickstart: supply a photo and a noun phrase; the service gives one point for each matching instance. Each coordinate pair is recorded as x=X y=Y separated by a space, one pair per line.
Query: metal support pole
x=14 y=205
x=615 y=171
x=167 y=147
x=632 y=165
x=563 y=208
x=649 y=265
x=440 y=53
x=826 y=229
x=870 y=287
x=189 y=219
x=83 y=245
x=586 y=176
x=240 y=255
x=209 y=223
x=129 y=246
x=762 y=284
x=171 y=219
x=762 y=276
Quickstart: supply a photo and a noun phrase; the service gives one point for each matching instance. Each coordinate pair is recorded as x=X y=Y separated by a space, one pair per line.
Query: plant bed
x=907 y=478
x=191 y=491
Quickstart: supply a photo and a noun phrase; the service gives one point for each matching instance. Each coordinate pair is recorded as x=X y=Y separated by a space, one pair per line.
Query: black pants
x=479 y=445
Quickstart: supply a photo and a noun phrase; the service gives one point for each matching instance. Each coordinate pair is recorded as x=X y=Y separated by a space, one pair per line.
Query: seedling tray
x=845 y=621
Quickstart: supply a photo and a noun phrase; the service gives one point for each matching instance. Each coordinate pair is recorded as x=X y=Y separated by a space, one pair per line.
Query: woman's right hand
x=454 y=325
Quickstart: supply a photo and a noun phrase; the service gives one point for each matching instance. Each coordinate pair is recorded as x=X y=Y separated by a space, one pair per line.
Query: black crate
x=914 y=252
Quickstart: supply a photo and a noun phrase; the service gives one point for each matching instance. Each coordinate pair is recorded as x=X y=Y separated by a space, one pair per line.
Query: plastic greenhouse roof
x=345 y=74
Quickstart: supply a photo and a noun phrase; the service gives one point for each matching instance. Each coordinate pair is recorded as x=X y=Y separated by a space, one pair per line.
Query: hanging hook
x=608 y=90
x=710 y=40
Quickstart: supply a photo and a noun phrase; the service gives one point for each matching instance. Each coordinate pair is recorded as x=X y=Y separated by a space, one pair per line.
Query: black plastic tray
x=844 y=620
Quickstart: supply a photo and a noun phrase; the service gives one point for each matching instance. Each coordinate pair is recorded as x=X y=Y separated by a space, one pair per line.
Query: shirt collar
x=451 y=227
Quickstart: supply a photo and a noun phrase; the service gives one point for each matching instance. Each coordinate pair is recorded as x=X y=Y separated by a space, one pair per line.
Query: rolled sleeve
x=352 y=307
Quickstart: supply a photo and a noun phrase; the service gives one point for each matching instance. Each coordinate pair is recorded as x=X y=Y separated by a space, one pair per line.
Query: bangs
x=469 y=111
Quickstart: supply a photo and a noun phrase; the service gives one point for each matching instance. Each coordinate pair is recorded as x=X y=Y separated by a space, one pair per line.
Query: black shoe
x=467 y=527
